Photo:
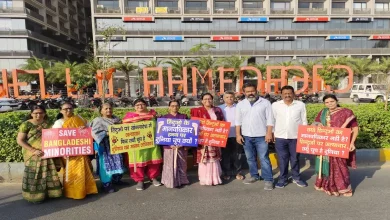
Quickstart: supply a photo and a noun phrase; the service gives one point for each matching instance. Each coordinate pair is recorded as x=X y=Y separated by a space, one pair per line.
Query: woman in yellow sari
x=78 y=177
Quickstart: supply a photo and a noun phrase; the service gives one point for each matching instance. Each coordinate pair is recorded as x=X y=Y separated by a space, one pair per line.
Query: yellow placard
x=132 y=136
x=161 y=10
x=142 y=10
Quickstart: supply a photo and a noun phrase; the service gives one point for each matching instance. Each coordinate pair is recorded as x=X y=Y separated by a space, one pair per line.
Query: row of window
x=304 y=43
x=232 y=24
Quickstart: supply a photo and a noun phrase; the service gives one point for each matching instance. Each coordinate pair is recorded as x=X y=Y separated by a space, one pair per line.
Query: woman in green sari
x=40 y=176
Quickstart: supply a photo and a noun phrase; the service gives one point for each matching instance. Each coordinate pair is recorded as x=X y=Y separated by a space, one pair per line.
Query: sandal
x=240 y=177
x=318 y=188
x=328 y=193
x=348 y=194
x=335 y=194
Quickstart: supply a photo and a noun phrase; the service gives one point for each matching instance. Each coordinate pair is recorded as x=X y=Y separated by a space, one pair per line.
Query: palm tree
x=34 y=63
x=205 y=63
x=202 y=48
x=178 y=64
x=153 y=75
x=235 y=62
x=57 y=73
x=361 y=66
x=126 y=67
x=330 y=75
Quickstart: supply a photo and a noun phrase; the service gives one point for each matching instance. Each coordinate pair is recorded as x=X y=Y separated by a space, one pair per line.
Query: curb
x=13 y=172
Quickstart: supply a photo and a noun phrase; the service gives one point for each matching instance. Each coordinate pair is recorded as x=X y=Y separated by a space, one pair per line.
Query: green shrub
x=374 y=125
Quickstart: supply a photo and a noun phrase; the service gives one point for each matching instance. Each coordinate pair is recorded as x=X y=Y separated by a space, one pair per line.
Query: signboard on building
x=311 y=19
x=339 y=37
x=253 y=19
x=196 y=19
x=138 y=19
x=280 y=38
x=361 y=19
x=225 y=38
x=380 y=37
x=168 y=38
x=142 y=10
x=161 y=10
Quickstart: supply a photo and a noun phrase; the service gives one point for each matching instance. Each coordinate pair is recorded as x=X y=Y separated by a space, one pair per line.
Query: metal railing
x=64 y=29
x=362 y=11
x=62 y=2
x=282 y=11
x=312 y=52
x=14 y=32
x=133 y=10
x=34 y=14
x=312 y=11
x=71 y=7
x=40 y=1
x=225 y=11
x=51 y=7
x=72 y=20
x=12 y=10
x=63 y=14
x=340 y=11
x=52 y=23
x=382 y=11
x=15 y=53
x=253 y=11
x=108 y=11
x=197 y=11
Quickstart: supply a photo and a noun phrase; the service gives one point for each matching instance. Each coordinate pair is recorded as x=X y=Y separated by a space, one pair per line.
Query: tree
x=153 y=75
x=57 y=72
x=202 y=48
x=34 y=63
x=330 y=75
x=235 y=62
x=382 y=76
x=178 y=64
x=126 y=67
x=361 y=66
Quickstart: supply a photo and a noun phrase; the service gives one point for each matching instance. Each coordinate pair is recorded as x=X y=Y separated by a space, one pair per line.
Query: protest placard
x=63 y=142
x=132 y=136
x=177 y=132
x=212 y=132
x=326 y=141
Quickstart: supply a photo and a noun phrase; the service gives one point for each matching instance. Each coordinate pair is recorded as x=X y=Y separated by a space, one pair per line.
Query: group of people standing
x=254 y=124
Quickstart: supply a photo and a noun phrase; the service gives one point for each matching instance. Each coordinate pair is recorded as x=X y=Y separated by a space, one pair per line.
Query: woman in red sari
x=208 y=157
x=337 y=181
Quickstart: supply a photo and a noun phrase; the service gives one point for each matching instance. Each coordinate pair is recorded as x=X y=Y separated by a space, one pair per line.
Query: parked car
x=8 y=104
x=368 y=92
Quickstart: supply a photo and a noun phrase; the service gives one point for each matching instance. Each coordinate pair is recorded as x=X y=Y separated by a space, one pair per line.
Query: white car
x=368 y=92
x=8 y=104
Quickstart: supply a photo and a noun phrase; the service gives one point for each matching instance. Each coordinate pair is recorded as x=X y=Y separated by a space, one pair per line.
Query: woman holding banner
x=335 y=177
x=109 y=166
x=174 y=173
x=40 y=176
x=208 y=157
x=78 y=178
x=145 y=160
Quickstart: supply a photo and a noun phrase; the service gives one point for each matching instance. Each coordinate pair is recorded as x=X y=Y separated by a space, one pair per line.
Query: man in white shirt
x=254 y=123
x=231 y=154
x=288 y=115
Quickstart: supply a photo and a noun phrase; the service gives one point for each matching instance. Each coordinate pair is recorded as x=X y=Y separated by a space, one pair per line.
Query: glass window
x=108 y=3
x=317 y=5
x=5 y=3
x=252 y=4
x=382 y=6
x=359 y=5
x=280 y=5
x=172 y=4
x=191 y=4
x=221 y=5
x=338 y=4
x=134 y=4
x=354 y=87
x=304 y=5
x=361 y=88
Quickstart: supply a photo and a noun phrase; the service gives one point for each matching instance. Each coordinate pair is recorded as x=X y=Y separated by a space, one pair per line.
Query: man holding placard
x=288 y=115
x=254 y=123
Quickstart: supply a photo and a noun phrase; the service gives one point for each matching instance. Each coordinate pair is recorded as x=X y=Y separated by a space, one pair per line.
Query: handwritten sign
x=179 y=132
x=63 y=142
x=213 y=133
x=132 y=136
x=326 y=141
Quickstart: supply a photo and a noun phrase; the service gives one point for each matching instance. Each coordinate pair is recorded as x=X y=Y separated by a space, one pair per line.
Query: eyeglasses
x=67 y=109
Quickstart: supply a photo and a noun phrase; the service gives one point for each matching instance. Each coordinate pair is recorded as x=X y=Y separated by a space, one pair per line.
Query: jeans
x=231 y=157
x=257 y=147
x=286 y=149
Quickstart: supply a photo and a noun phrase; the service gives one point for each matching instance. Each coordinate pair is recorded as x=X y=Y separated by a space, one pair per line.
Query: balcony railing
x=72 y=20
x=312 y=11
x=13 y=32
x=226 y=11
x=16 y=53
x=340 y=11
x=62 y=2
x=282 y=11
x=34 y=14
x=362 y=11
x=74 y=35
x=359 y=51
x=197 y=11
x=71 y=7
x=253 y=11
x=141 y=10
x=51 y=7
x=382 y=11
x=61 y=13
x=52 y=23
x=108 y=11
x=40 y=1
x=64 y=29
x=168 y=11
x=12 y=10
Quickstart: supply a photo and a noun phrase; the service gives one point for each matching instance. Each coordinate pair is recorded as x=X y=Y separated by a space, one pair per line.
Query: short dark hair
x=207 y=93
x=330 y=96
x=229 y=93
x=172 y=101
x=35 y=107
x=60 y=115
x=247 y=85
x=287 y=88
x=139 y=100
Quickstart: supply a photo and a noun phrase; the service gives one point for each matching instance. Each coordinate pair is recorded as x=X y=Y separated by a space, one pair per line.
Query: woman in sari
x=146 y=160
x=335 y=178
x=40 y=176
x=110 y=166
x=78 y=177
x=174 y=176
x=208 y=157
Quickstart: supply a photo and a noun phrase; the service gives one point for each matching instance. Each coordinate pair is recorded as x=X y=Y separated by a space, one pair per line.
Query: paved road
x=230 y=201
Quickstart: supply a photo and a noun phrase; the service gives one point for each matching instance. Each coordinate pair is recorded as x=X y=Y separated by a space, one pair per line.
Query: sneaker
x=109 y=189
x=268 y=185
x=140 y=186
x=300 y=183
x=280 y=185
x=250 y=180
x=156 y=182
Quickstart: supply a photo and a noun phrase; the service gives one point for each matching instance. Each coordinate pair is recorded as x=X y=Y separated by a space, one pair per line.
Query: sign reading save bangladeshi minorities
x=177 y=132
x=212 y=132
x=132 y=136
x=63 y=142
x=326 y=141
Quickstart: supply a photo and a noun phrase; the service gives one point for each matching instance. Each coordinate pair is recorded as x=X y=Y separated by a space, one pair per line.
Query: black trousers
x=231 y=157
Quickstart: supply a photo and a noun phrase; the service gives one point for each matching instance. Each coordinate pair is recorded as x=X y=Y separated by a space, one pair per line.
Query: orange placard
x=212 y=132
x=326 y=141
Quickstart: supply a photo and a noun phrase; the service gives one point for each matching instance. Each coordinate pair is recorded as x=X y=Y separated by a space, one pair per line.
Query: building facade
x=50 y=29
